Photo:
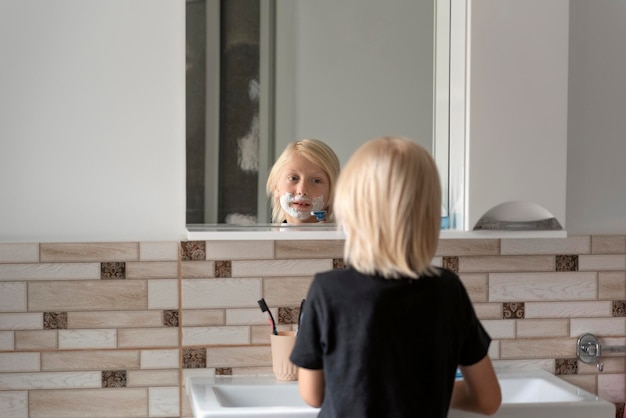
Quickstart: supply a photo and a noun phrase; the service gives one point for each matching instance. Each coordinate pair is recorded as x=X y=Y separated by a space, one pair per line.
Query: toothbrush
x=300 y=313
x=264 y=308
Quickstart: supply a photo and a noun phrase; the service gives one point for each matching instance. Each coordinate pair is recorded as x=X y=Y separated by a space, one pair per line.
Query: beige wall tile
x=19 y=253
x=608 y=340
x=612 y=387
x=118 y=403
x=160 y=359
x=249 y=316
x=555 y=286
x=152 y=270
x=12 y=297
x=36 y=340
x=21 y=320
x=14 y=404
x=219 y=311
x=309 y=249
x=286 y=291
x=499 y=329
x=463 y=247
x=506 y=264
x=250 y=268
x=87 y=338
x=247 y=371
x=159 y=250
x=143 y=378
x=198 y=269
x=7 y=340
x=237 y=250
x=528 y=328
x=602 y=262
x=215 y=335
x=238 y=356
x=19 y=362
x=607 y=327
x=49 y=380
x=50 y=271
x=163 y=294
x=494 y=349
x=588 y=383
x=608 y=244
x=220 y=293
x=476 y=286
x=92 y=251
x=506 y=365
x=147 y=337
x=90 y=360
x=89 y=295
x=611 y=365
x=538 y=348
x=567 y=309
x=114 y=319
x=164 y=401
x=612 y=285
x=204 y=372
x=488 y=310
x=260 y=334
x=203 y=317
x=186 y=410
x=569 y=245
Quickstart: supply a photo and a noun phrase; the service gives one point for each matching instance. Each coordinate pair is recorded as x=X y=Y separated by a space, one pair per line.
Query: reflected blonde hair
x=388 y=200
x=317 y=152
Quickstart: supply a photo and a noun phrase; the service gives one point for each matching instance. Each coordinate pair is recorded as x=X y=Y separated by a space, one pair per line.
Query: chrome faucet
x=589 y=350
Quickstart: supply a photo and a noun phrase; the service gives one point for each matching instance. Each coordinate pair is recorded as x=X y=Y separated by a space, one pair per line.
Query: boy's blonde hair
x=317 y=152
x=388 y=199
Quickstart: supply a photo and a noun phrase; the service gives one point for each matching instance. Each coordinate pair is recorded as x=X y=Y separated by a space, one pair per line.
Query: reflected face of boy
x=302 y=187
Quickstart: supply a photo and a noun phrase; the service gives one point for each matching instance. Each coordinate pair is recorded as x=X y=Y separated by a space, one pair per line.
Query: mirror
x=343 y=71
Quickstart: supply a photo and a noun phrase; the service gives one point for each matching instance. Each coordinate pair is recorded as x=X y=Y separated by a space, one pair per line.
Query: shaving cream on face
x=317 y=203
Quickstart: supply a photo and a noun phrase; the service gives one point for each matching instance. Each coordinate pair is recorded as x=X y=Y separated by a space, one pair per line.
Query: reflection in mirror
x=260 y=77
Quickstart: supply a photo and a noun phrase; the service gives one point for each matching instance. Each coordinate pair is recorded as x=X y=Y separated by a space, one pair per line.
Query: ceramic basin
x=527 y=393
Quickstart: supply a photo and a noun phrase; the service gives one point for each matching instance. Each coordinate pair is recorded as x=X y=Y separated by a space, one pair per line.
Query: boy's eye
x=292 y=178
x=317 y=181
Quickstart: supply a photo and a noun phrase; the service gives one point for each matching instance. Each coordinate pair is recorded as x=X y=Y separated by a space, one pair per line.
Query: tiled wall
x=111 y=329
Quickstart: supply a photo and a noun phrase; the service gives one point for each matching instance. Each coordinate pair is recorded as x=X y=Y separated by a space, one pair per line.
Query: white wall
x=517 y=105
x=92 y=119
x=351 y=70
x=596 y=175
x=92 y=114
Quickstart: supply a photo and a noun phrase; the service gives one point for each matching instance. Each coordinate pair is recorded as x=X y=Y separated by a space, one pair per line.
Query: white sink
x=532 y=393
x=540 y=394
x=246 y=396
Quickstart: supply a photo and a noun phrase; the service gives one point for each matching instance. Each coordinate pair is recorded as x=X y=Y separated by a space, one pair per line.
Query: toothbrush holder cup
x=282 y=345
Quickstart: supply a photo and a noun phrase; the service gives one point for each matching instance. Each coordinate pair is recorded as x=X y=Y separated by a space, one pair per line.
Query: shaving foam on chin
x=317 y=203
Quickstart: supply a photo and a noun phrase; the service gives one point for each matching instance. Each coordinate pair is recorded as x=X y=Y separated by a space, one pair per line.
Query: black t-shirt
x=388 y=347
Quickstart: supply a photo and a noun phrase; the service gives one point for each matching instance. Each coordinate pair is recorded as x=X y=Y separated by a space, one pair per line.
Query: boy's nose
x=302 y=190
